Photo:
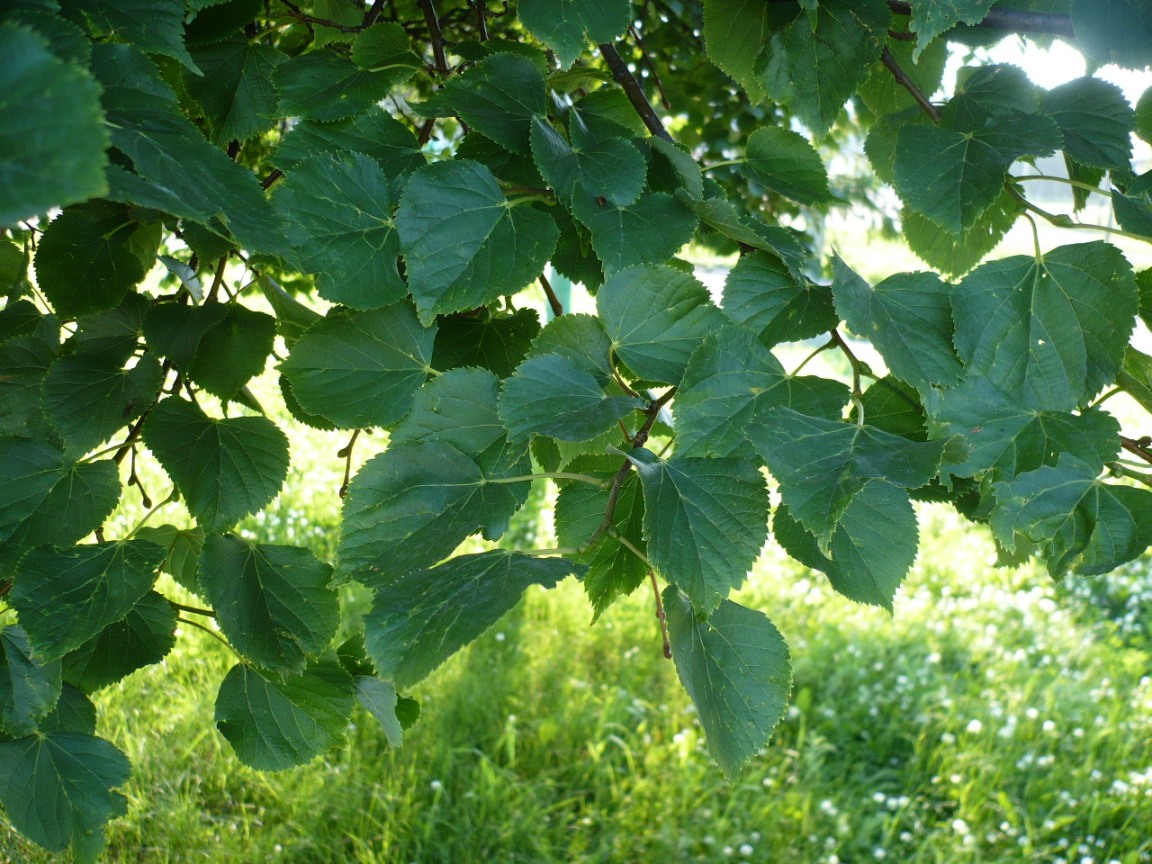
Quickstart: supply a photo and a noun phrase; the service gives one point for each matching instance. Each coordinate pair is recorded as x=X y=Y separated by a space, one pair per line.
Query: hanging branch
x=633 y=90
x=908 y=84
x=299 y=14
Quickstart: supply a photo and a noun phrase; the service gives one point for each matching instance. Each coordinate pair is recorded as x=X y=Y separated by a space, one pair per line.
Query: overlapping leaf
x=649 y=230
x=491 y=341
x=235 y=88
x=88 y=397
x=142 y=637
x=324 y=86
x=499 y=97
x=1095 y=120
x=28 y=688
x=375 y=134
x=566 y=25
x=612 y=168
x=783 y=161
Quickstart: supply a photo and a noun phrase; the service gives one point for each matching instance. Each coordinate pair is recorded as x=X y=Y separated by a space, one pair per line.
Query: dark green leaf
x=235 y=90
x=1133 y=213
x=24 y=363
x=499 y=97
x=153 y=26
x=1114 y=31
x=822 y=464
x=74 y=713
x=57 y=788
x=65 y=597
x=361 y=369
x=276 y=723
x=1096 y=121
x=908 y=317
x=786 y=163
x=762 y=293
x=648 y=231
x=375 y=134
x=892 y=406
x=551 y=394
x=611 y=168
x=339 y=217
x=1051 y=332
x=183 y=551
x=39 y=96
x=88 y=397
x=704 y=521
x=91 y=255
x=421 y=619
x=142 y=637
x=324 y=86
x=28 y=688
x=382 y=46
x=562 y=24
x=1143 y=117
x=736 y=669
x=494 y=342
x=1084 y=525
x=224 y=469
x=28 y=472
x=464 y=246
x=655 y=317
x=274 y=603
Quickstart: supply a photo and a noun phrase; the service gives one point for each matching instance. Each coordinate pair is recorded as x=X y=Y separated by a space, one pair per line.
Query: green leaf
x=39 y=95
x=686 y=168
x=235 y=90
x=464 y=245
x=763 y=294
x=949 y=177
x=88 y=397
x=821 y=465
x=655 y=317
x=57 y=788
x=91 y=255
x=1142 y=118
x=361 y=369
x=410 y=506
x=908 y=317
x=954 y=254
x=499 y=97
x=1084 y=525
x=28 y=688
x=614 y=570
x=647 y=231
x=735 y=667
x=562 y=24
x=424 y=617
x=65 y=597
x=183 y=552
x=872 y=548
x=815 y=68
x=892 y=406
x=786 y=163
x=375 y=134
x=339 y=217
x=705 y=521
x=324 y=86
x=1012 y=438
x=153 y=26
x=553 y=395
x=277 y=723
x=142 y=637
x=380 y=700
x=1049 y=333
x=1133 y=213
x=24 y=363
x=74 y=713
x=1114 y=31
x=28 y=472
x=495 y=342
x=1096 y=121
x=274 y=603
x=579 y=337
x=384 y=45
x=731 y=380
x=930 y=20
x=735 y=32
x=224 y=469
x=611 y=168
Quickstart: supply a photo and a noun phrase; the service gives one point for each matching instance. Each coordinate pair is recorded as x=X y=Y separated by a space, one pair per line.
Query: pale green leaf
x=735 y=32
x=274 y=603
x=704 y=522
x=40 y=168
x=361 y=368
x=954 y=254
x=786 y=163
x=421 y=619
x=277 y=723
x=380 y=700
x=224 y=469
x=735 y=667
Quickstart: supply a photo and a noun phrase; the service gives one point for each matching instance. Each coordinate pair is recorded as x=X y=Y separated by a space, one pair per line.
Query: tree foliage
x=368 y=197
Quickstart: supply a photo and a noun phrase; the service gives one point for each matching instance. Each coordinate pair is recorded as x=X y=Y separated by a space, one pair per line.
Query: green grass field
x=995 y=718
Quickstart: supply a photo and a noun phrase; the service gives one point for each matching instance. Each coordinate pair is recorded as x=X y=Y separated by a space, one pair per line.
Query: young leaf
x=28 y=688
x=41 y=168
x=66 y=596
x=274 y=603
x=380 y=700
x=735 y=667
x=705 y=521
x=421 y=619
x=224 y=469
x=361 y=368
x=463 y=244
x=655 y=317
x=277 y=723
x=142 y=637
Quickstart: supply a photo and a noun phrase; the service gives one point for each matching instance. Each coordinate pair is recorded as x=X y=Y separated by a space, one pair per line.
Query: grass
x=995 y=718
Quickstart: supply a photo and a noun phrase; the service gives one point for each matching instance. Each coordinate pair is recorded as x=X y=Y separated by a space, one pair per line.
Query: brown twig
x=435 y=36
x=633 y=90
x=372 y=14
x=651 y=67
x=553 y=300
x=267 y=182
x=425 y=132
x=908 y=84
x=660 y=616
x=1141 y=447
x=481 y=17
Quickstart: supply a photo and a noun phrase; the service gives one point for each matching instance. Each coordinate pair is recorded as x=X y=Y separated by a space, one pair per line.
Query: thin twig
x=435 y=36
x=267 y=182
x=633 y=90
x=553 y=300
x=180 y=607
x=300 y=15
x=372 y=14
x=481 y=17
x=908 y=84
x=651 y=67
x=660 y=616
x=1139 y=448
x=345 y=453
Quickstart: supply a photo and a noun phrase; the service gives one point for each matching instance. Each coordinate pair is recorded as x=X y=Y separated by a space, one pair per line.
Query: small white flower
x=746 y=849
x=436 y=786
x=974 y=727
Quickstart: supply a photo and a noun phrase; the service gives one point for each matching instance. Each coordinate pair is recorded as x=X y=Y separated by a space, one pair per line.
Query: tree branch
x=435 y=36
x=908 y=84
x=633 y=90
x=553 y=300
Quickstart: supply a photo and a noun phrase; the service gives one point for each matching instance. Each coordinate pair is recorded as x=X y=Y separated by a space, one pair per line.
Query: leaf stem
x=831 y=343
x=174 y=495
x=548 y=475
x=1062 y=221
x=209 y=631
x=193 y=610
x=660 y=616
x=859 y=367
x=1067 y=181
x=631 y=547
x=547 y=553
x=553 y=300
